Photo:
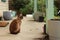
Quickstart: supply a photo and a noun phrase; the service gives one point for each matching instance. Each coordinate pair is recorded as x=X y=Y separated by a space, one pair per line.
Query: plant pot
x=55 y=19
x=0 y=18
x=41 y=19
x=7 y=15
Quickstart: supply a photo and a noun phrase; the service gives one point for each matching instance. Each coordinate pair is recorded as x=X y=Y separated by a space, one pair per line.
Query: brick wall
x=3 y=7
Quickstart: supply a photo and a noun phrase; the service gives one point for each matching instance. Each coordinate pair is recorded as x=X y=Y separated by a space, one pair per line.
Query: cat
x=15 y=24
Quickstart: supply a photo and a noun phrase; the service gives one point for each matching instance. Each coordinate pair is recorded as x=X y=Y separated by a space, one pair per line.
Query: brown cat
x=15 y=25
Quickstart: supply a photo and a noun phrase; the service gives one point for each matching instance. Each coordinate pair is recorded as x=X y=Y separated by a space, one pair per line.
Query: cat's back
x=13 y=22
x=13 y=25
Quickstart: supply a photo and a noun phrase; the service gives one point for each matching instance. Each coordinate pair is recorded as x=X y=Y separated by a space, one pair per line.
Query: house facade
x=3 y=6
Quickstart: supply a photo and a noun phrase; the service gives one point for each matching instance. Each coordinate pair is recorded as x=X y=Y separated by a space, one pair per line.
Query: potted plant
x=43 y=11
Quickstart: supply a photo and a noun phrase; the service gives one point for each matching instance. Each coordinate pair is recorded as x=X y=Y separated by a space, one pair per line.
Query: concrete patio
x=30 y=30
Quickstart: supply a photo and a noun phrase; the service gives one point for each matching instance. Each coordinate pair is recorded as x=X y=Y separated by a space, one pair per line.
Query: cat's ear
x=21 y=14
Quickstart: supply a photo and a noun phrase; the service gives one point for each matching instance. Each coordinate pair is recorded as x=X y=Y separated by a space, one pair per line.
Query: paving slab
x=30 y=30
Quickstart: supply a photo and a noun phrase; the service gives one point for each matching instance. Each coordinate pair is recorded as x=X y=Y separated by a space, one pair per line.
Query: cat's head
x=20 y=16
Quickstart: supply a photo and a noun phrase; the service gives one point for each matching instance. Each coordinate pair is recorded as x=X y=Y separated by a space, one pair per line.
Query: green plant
x=55 y=11
x=28 y=9
x=18 y=4
x=24 y=11
x=42 y=7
